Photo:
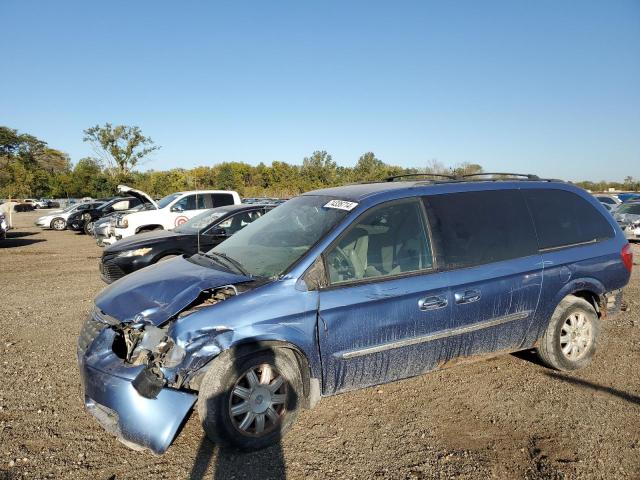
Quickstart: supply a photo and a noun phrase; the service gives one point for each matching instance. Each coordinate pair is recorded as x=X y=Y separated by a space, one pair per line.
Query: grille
x=111 y=271
x=90 y=330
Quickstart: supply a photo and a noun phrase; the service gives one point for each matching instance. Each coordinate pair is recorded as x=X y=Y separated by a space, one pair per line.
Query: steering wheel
x=341 y=264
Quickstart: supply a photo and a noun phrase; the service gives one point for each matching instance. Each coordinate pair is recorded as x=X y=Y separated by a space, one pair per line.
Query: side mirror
x=177 y=208
x=218 y=232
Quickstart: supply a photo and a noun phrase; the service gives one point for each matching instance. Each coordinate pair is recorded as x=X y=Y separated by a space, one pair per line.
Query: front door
x=187 y=207
x=381 y=316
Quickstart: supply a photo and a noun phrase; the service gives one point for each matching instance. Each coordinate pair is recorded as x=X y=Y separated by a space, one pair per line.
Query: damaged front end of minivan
x=140 y=365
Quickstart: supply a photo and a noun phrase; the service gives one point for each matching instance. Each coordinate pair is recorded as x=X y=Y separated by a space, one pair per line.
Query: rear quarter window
x=221 y=199
x=476 y=228
x=564 y=218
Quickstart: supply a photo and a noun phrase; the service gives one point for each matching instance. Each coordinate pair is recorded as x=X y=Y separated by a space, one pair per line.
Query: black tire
x=88 y=227
x=58 y=224
x=550 y=349
x=215 y=398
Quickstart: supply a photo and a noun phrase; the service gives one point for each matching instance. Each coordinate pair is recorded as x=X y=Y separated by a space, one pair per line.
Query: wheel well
x=311 y=386
x=591 y=297
x=149 y=228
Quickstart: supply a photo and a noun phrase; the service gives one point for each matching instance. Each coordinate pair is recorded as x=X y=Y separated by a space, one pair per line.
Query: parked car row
x=138 y=231
x=40 y=203
x=336 y=290
x=199 y=234
x=612 y=201
x=628 y=217
x=57 y=220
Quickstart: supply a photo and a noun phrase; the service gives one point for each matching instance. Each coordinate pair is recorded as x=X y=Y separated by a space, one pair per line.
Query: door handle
x=468 y=296
x=432 y=303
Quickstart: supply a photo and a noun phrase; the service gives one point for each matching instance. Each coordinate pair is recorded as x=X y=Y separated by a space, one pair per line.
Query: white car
x=171 y=211
x=57 y=219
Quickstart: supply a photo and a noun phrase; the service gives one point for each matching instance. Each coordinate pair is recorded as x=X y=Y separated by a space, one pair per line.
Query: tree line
x=30 y=168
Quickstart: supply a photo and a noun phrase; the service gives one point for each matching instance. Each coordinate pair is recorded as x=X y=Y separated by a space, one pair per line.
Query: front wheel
x=88 y=227
x=251 y=401
x=58 y=224
x=570 y=340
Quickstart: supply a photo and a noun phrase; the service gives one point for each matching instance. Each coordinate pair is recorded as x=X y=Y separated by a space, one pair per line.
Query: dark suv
x=83 y=221
x=349 y=287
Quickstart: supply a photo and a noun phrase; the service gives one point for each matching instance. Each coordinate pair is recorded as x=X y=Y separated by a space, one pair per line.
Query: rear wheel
x=251 y=401
x=58 y=224
x=570 y=340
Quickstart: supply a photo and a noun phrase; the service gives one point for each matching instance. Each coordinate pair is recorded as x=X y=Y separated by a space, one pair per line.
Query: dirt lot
x=503 y=418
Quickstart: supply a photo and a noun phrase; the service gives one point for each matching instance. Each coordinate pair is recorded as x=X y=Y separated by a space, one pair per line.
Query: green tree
x=121 y=147
x=53 y=161
x=370 y=168
x=466 y=169
x=87 y=178
x=318 y=170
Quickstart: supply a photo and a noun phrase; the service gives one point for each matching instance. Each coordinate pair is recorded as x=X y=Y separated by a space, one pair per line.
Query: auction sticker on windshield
x=341 y=205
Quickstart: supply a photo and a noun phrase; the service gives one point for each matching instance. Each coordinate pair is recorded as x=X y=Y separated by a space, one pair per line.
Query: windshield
x=630 y=208
x=200 y=221
x=164 y=201
x=272 y=243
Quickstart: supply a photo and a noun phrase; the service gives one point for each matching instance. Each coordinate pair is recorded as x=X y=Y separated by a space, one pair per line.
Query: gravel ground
x=507 y=417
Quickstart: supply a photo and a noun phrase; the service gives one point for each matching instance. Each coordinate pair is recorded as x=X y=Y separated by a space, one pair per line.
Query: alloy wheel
x=576 y=336
x=258 y=399
x=59 y=224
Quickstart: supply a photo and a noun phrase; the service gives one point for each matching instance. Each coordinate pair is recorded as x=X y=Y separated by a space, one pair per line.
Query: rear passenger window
x=563 y=218
x=385 y=241
x=475 y=228
x=221 y=199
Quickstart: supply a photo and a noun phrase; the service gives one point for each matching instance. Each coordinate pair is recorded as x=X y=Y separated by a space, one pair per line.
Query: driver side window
x=238 y=221
x=389 y=240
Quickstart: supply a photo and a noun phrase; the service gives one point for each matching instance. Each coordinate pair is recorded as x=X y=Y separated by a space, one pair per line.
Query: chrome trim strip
x=450 y=332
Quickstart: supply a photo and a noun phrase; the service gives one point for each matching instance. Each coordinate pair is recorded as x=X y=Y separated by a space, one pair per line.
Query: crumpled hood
x=160 y=291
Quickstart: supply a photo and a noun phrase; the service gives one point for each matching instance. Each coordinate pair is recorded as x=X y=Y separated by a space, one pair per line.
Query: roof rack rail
x=528 y=176
x=405 y=175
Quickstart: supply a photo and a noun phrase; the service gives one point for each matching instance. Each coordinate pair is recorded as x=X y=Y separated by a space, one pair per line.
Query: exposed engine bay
x=141 y=343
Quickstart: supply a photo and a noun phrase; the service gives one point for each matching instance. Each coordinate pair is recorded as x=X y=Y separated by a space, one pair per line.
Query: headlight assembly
x=135 y=253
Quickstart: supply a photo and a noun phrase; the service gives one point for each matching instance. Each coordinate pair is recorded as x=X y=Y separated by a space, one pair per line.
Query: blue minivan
x=348 y=287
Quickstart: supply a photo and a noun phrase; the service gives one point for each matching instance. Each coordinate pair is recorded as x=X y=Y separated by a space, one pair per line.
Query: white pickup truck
x=170 y=211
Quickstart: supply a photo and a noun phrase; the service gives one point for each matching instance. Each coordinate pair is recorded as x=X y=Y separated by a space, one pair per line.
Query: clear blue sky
x=550 y=87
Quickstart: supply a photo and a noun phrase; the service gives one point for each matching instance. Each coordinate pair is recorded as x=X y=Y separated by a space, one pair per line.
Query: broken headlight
x=146 y=345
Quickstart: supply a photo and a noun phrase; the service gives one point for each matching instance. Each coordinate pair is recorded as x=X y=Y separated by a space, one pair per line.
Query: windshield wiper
x=230 y=261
